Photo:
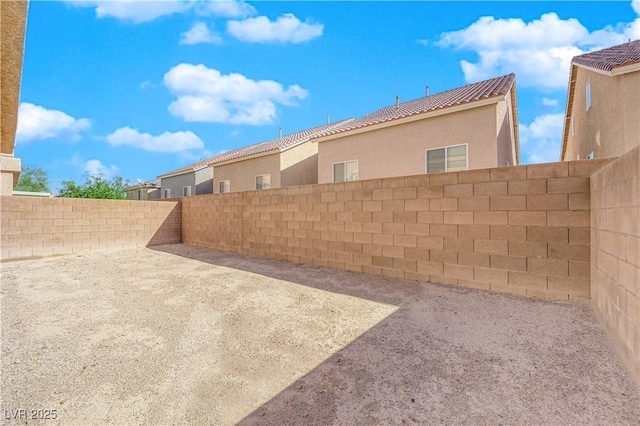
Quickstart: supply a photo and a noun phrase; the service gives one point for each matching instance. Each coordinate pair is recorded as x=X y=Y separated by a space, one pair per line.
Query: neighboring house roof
x=612 y=57
x=462 y=95
x=611 y=61
x=281 y=144
x=468 y=94
x=150 y=184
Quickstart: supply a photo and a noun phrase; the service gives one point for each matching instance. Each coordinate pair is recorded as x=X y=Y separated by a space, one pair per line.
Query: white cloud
x=549 y=102
x=226 y=8
x=206 y=95
x=138 y=11
x=166 y=142
x=635 y=4
x=200 y=33
x=285 y=29
x=539 y=51
x=96 y=168
x=135 y=11
x=540 y=140
x=146 y=85
x=38 y=123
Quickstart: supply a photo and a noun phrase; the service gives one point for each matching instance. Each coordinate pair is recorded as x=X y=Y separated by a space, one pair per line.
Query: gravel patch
x=186 y=335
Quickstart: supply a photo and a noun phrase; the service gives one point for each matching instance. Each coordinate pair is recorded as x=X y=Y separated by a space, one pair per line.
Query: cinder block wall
x=34 y=226
x=521 y=230
x=615 y=253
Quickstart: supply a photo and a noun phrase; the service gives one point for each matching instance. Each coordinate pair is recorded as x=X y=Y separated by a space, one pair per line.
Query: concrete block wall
x=35 y=226
x=523 y=230
x=615 y=253
x=215 y=220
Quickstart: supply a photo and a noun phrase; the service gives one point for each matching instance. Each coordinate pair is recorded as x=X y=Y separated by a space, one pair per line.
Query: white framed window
x=345 y=171
x=140 y=194
x=588 y=95
x=263 y=181
x=186 y=191
x=447 y=159
x=224 y=186
x=590 y=156
x=167 y=193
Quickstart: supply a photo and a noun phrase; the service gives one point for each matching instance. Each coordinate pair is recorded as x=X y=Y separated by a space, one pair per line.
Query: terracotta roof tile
x=260 y=147
x=612 y=57
x=462 y=95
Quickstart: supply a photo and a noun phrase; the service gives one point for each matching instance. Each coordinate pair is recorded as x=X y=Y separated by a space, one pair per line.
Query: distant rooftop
x=282 y=143
x=462 y=95
x=611 y=57
x=142 y=184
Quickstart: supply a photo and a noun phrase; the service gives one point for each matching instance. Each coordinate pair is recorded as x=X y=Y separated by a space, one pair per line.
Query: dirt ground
x=184 y=335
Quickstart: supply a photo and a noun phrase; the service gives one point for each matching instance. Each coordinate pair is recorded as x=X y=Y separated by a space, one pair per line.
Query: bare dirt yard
x=185 y=335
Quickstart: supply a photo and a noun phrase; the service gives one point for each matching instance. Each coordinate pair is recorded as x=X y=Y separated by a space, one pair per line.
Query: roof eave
x=615 y=70
x=248 y=157
x=413 y=117
x=286 y=148
x=514 y=120
x=568 y=110
x=183 y=172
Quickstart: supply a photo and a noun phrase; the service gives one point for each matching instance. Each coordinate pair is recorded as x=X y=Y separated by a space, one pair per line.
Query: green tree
x=95 y=187
x=33 y=179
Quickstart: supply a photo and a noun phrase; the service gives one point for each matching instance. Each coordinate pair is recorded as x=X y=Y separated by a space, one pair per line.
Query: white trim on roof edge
x=184 y=172
x=410 y=118
x=248 y=157
x=619 y=70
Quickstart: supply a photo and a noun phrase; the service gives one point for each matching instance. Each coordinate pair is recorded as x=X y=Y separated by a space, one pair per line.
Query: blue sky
x=136 y=89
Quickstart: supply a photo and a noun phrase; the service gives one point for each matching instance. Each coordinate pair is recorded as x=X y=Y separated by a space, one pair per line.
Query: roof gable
x=604 y=61
x=279 y=144
x=611 y=57
x=486 y=89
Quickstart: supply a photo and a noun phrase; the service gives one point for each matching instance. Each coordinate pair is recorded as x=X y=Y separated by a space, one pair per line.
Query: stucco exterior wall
x=611 y=126
x=203 y=182
x=400 y=150
x=505 y=136
x=242 y=174
x=615 y=253
x=177 y=183
x=299 y=165
x=147 y=194
x=13 y=17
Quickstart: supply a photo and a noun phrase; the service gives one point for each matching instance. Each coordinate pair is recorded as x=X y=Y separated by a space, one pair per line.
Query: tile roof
x=612 y=57
x=462 y=95
x=261 y=147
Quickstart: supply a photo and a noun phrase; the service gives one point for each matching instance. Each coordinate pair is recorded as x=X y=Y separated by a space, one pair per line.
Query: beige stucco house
x=602 y=116
x=470 y=127
x=194 y=179
x=13 y=18
x=143 y=191
x=286 y=161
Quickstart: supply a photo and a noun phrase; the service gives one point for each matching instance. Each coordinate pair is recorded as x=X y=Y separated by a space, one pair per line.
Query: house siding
x=611 y=126
x=400 y=150
x=242 y=174
x=201 y=182
x=505 y=133
x=299 y=165
x=177 y=183
x=149 y=194
x=204 y=181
